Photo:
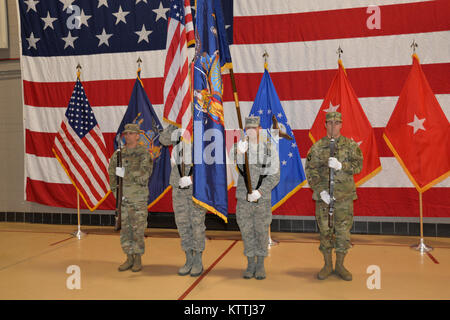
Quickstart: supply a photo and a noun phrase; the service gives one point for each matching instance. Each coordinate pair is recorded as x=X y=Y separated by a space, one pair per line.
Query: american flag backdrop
x=301 y=37
x=80 y=149
x=177 y=94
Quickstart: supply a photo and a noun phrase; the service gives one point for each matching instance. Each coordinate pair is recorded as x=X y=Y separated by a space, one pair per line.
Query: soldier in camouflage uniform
x=254 y=211
x=136 y=169
x=348 y=160
x=189 y=217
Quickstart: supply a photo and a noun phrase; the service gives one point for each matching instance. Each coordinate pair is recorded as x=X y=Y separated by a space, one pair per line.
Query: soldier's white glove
x=242 y=146
x=325 y=196
x=120 y=172
x=334 y=163
x=254 y=196
x=185 y=182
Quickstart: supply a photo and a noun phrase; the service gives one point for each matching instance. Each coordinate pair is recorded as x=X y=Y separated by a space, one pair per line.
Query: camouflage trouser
x=339 y=236
x=254 y=222
x=134 y=223
x=190 y=220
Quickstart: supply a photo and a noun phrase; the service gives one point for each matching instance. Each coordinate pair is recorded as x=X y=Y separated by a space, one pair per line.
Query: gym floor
x=39 y=261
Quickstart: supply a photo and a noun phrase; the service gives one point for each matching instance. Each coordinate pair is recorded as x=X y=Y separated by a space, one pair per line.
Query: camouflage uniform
x=317 y=172
x=254 y=218
x=189 y=217
x=138 y=168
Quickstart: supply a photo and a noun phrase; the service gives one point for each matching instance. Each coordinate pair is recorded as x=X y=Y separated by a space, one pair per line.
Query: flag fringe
x=290 y=194
x=75 y=186
x=210 y=208
x=159 y=197
x=402 y=164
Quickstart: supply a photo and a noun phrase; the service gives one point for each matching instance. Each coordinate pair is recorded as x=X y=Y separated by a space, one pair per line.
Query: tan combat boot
x=197 y=265
x=340 y=269
x=137 y=264
x=251 y=268
x=328 y=267
x=127 y=264
x=260 y=272
x=186 y=269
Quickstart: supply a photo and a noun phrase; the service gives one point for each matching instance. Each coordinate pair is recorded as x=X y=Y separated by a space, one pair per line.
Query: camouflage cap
x=252 y=122
x=336 y=116
x=131 y=127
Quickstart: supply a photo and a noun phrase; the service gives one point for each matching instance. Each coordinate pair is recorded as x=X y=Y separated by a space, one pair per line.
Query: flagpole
x=422 y=247
x=78 y=234
x=271 y=242
x=238 y=111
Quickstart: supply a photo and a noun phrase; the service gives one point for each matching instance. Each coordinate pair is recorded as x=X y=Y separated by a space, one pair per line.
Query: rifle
x=119 y=192
x=331 y=206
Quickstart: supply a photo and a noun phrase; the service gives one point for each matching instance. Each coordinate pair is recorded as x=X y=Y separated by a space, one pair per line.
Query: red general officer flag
x=342 y=98
x=418 y=132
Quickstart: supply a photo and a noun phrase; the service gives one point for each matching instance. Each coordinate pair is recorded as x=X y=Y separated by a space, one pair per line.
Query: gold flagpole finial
x=339 y=52
x=78 y=70
x=139 y=61
x=414 y=45
x=265 y=56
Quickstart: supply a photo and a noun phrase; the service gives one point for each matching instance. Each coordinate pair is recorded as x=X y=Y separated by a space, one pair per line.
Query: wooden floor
x=34 y=259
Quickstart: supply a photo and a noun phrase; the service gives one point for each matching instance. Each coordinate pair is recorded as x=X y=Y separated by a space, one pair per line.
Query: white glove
x=120 y=171
x=242 y=146
x=324 y=195
x=254 y=196
x=185 y=182
x=334 y=163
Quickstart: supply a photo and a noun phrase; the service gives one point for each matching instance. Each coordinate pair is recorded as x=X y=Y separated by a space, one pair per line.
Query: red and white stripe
x=176 y=90
x=302 y=63
x=85 y=161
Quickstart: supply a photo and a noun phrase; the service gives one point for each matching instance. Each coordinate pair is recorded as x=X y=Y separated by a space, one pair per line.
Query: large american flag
x=301 y=38
x=80 y=149
x=177 y=95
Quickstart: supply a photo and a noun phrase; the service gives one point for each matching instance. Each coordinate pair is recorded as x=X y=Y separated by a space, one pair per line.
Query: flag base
x=79 y=234
x=272 y=242
x=422 y=247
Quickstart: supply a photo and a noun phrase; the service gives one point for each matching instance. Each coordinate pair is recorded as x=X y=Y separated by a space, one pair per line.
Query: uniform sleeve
x=355 y=163
x=112 y=172
x=313 y=167
x=165 y=137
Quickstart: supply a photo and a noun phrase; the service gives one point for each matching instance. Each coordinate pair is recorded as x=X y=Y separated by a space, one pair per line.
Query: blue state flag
x=141 y=111
x=212 y=53
x=268 y=107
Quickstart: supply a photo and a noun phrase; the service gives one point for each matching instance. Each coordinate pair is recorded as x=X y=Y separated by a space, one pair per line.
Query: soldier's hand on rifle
x=334 y=163
x=185 y=182
x=120 y=172
x=242 y=146
x=325 y=196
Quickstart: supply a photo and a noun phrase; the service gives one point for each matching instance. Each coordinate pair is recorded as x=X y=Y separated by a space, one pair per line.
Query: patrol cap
x=131 y=127
x=252 y=122
x=336 y=116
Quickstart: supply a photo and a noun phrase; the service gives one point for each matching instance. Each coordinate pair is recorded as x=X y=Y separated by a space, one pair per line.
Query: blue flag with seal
x=211 y=55
x=140 y=111
x=268 y=107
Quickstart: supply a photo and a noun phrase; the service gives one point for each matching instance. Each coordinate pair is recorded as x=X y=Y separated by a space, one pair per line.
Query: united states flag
x=301 y=38
x=177 y=95
x=81 y=151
